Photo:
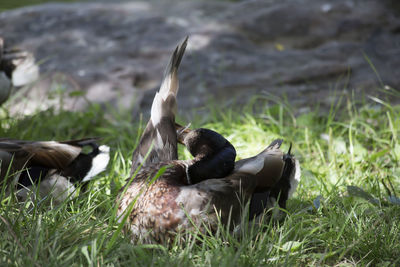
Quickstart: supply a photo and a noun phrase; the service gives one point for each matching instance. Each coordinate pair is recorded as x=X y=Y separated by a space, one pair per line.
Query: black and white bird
x=50 y=167
x=17 y=68
x=168 y=196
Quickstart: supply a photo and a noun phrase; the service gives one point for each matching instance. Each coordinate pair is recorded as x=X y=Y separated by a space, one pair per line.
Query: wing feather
x=159 y=137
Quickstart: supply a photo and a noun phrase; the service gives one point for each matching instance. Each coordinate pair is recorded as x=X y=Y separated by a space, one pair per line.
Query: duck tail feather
x=282 y=190
x=290 y=149
x=288 y=182
x=275 y=144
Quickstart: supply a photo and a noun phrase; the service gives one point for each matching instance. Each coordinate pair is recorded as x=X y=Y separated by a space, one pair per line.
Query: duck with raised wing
x=55 y=166
x=166 y=196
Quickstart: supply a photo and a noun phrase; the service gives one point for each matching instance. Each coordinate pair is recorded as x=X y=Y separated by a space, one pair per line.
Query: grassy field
x=345 y=211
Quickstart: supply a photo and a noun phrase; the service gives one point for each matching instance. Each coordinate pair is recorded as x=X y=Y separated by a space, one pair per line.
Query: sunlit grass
x=353 y=144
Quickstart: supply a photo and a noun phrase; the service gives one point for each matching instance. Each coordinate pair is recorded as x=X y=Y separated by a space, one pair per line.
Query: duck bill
x=181 y=132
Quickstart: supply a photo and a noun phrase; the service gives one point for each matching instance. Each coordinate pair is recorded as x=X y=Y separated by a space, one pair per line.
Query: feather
x=50 y=154
x=159 y=137
x=281 y=191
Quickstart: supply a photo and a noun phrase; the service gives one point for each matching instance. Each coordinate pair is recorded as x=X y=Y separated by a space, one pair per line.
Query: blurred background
x=304 y=52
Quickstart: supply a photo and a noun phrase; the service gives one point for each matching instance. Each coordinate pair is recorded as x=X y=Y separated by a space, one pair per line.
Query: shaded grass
x=9 y=4
x=354 y=144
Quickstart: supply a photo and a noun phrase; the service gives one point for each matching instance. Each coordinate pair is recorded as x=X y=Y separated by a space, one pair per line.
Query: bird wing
x=50 y=154
x=287 y=170
x=66 y=157
x=159 y=137
x=212 y=200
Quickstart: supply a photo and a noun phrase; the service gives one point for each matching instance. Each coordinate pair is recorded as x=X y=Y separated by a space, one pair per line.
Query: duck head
x=214 y=156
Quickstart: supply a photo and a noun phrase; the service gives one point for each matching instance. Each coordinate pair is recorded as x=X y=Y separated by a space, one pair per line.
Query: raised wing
x=159 y=137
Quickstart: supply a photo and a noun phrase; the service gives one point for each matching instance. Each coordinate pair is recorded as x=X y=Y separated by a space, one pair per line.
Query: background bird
x=17 y=68
x=55 y=166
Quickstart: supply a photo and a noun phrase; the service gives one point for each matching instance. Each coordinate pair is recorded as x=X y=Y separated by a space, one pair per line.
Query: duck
x=17 y=68
x=166 y=196
x=53 y=168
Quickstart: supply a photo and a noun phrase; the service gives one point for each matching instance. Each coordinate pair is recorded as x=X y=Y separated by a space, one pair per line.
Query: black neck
x=215 y=159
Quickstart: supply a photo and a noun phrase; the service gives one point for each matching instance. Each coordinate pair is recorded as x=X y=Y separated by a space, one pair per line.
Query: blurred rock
x=116 y=53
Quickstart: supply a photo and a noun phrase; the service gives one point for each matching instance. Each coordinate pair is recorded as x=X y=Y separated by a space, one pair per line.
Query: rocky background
x=115 y=53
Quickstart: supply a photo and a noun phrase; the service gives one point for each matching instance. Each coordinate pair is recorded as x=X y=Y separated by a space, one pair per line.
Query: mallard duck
x=166 y=196
x=57 y=165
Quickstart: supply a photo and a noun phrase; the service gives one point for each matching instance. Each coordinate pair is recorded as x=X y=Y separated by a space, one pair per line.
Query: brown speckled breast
x=155 y=215
x=170 y=206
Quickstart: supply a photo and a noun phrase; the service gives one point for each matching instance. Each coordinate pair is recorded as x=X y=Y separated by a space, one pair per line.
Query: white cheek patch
x=99 y=163
x=253 y=166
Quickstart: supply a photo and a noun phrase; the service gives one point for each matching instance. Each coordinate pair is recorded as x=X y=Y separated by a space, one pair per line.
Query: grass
x=340 y=215
x=10 y=4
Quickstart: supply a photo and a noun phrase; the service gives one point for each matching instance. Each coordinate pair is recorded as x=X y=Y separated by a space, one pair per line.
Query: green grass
x=327 y=223
x=10 y=4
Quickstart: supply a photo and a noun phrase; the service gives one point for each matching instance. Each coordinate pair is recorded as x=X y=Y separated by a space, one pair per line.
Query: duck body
x=170 y=204
x=54 y=166
x=159 y=204
x=155 y=205
x=168 y=207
